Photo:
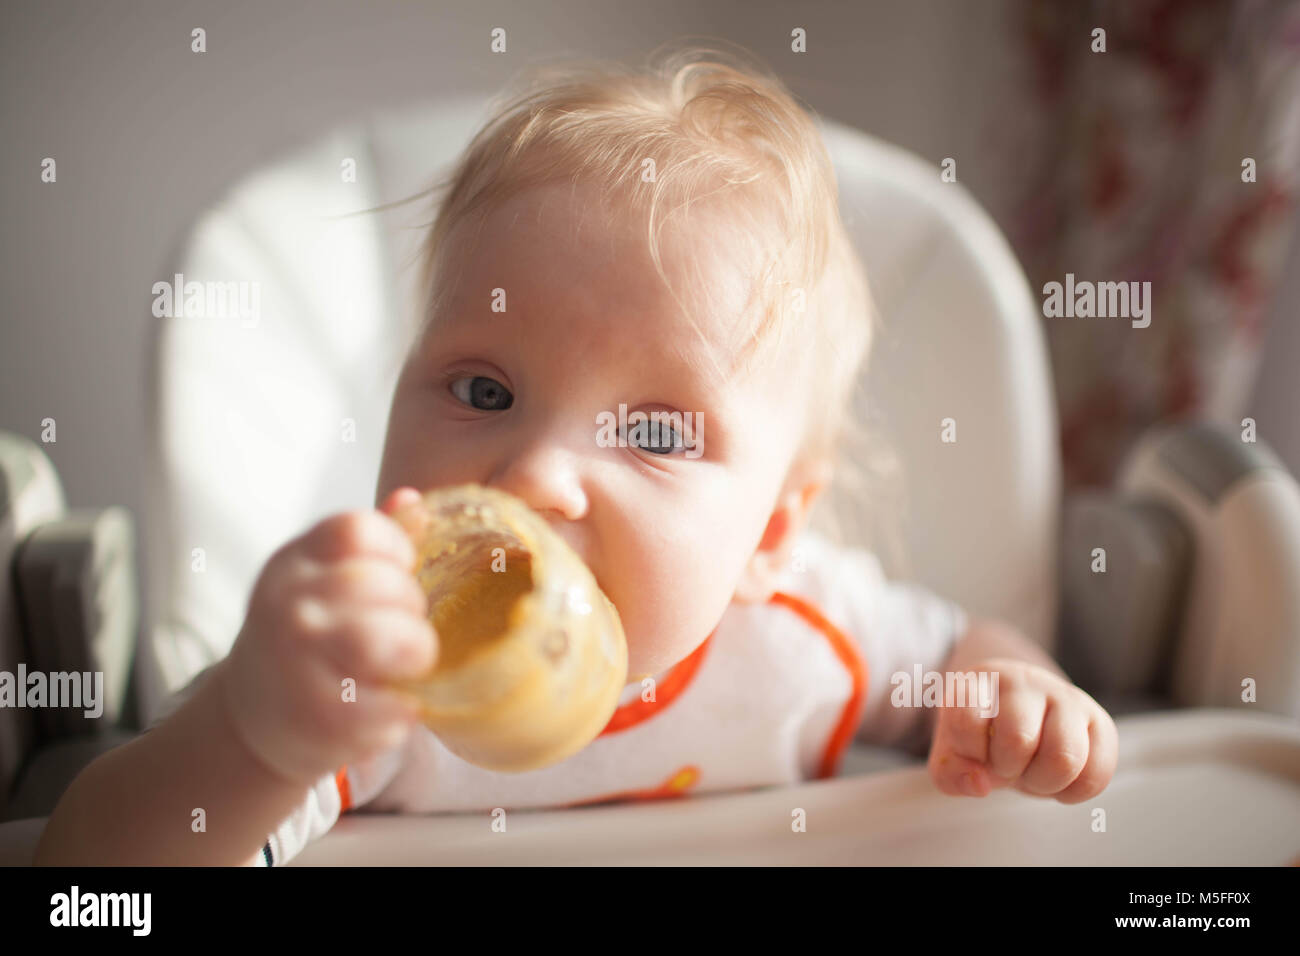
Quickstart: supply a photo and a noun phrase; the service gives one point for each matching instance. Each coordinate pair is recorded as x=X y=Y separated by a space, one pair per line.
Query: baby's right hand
x=338 y=602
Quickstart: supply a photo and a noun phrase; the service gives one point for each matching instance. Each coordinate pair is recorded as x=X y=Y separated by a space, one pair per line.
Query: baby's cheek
x=675 y=603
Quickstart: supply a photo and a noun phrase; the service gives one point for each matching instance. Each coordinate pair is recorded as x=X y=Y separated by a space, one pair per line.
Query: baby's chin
x=643 y=662
x=657 y=641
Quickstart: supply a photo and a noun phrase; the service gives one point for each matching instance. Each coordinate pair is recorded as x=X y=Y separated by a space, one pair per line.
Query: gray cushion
x=52 y=768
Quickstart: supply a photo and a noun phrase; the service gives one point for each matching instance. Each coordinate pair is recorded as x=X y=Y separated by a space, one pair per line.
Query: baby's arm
x=336 y=608
x=1040 y=733
x=986 y=638
x=135 y=804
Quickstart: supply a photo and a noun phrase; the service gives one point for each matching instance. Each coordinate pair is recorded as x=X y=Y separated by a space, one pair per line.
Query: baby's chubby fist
x=1042 y=735
x=339 y=602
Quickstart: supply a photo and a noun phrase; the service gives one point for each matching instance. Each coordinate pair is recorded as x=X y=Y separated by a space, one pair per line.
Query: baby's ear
x=789 y=517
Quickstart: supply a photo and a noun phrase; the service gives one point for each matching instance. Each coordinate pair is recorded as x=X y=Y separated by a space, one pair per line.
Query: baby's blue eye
x=669 y=440
x=482 y=393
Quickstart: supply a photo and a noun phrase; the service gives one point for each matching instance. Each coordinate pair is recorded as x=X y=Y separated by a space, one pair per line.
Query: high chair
x=273 y=416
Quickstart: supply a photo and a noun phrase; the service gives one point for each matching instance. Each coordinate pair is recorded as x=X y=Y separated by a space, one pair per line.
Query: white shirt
x=771 y=698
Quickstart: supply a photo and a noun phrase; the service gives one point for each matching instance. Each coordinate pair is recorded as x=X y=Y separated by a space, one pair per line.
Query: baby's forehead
x=563 y=246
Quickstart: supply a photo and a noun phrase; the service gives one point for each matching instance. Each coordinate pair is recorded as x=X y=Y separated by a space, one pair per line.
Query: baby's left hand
x=1045 y=737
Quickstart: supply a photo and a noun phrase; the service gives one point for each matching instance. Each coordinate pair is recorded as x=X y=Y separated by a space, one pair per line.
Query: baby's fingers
x=366 y=581
x=1015 y=734
x=956 y=775
x=1103 y=754
x=358 y=533
x=378 y=718
x=378 y=644
x=965 y=729
x=1062 y=751
x=959 y=751
x=405 y=506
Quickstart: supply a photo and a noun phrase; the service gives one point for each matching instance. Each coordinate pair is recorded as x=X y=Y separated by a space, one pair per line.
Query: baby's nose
x=547 y=478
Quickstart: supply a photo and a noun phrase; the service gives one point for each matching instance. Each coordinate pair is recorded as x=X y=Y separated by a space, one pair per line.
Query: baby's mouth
x=601 y=584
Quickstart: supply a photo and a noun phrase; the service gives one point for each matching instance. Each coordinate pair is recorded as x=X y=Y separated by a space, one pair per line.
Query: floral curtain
x=1134 y=163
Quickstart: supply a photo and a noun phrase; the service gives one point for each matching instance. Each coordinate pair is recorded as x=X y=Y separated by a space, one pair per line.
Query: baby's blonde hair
x=717 y=126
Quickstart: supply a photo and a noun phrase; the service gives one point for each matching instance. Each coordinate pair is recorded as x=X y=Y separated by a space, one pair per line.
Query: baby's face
x=513 y=400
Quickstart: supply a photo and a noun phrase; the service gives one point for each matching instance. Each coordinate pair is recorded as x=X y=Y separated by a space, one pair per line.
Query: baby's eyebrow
x=444 y=325
x=676 y=369
x=700 y=368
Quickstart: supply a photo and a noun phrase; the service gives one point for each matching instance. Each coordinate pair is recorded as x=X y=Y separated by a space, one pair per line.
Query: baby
x=668 y=241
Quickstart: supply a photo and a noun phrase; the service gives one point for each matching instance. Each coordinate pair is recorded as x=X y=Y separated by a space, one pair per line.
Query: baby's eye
x=482 y=392
x=662 y=439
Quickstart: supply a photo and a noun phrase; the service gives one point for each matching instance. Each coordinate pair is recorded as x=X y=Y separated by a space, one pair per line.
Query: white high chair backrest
x=271 y=415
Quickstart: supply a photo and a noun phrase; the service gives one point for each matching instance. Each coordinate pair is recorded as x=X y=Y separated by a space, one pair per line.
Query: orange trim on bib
x=685 y=778
x=675 y=786
x=345 y=789
x=853 y=663
x=677 y=680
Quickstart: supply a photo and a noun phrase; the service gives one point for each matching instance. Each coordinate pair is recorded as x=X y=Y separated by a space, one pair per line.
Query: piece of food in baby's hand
x=532 y=655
